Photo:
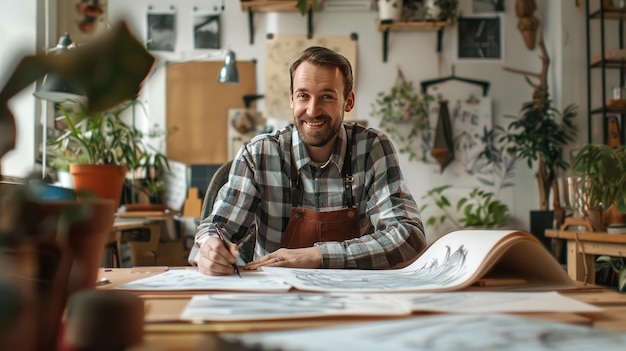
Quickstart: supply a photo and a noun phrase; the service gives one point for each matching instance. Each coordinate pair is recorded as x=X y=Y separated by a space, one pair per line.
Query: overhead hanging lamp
x=229 y=73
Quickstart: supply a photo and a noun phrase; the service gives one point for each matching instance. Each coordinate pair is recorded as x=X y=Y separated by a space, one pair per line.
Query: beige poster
x=282 y=50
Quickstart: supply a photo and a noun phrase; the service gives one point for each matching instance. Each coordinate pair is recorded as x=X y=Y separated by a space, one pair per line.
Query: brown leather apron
x=307 y=227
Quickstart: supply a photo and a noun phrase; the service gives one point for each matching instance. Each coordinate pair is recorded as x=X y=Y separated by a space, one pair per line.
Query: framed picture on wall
x=480 y=38
x=161 y=31
x=206 y=31
x=484 y=6
x=81 y=19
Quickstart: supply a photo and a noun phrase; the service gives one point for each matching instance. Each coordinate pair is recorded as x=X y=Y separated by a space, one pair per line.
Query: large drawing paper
x=266 y=306
x=249 y=306
x=187 y=279
x=441 y=332
x=492 y=302
x=455 y=261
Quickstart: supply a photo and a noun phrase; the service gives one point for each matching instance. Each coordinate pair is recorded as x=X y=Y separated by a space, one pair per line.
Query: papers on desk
x=191 y=279
x=245 y=307
x=238 y=307
x=440 y=332
x=453 y=262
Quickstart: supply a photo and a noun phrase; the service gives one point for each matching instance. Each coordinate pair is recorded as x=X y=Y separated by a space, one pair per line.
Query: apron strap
x=348 y=196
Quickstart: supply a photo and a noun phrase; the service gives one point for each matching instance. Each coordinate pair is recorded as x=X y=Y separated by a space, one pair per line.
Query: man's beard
x=317 y=138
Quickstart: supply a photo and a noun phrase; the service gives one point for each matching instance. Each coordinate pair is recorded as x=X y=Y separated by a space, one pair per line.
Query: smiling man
x=321 y=193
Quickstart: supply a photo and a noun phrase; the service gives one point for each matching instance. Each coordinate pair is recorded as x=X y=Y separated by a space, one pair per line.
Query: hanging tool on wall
x=443 y=148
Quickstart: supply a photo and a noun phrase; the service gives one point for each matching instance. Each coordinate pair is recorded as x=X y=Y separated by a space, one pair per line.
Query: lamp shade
x=55 y=88
x=229 y=73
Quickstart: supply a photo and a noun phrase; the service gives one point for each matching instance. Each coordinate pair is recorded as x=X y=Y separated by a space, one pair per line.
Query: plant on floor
x=478 y=209
x=616 y=264
x=540 y=133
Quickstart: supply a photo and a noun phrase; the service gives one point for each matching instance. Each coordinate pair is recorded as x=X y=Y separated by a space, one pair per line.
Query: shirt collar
x=301 y=155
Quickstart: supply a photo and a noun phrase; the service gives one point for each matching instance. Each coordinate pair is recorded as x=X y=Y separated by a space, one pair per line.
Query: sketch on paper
x=470 y=116
x=191 y=279
x=483 y=332
x=247 y=306
x=455 y=261
x=206 y=31
x=161 y=31
x=435 y=273
x=492 y=302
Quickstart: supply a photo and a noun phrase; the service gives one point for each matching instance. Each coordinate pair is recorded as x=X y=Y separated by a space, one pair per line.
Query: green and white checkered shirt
x=258 y=192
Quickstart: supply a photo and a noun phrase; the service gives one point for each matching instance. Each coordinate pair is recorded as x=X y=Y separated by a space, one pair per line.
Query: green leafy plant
x=605 y=170
x=403 y=113
x=104 y=138
x=616 y=264
x=478 y=209
x=303 y=6
x=541 y=132
x=153 y=188
x=539 y=135
x=62 y=160
x=447 y=10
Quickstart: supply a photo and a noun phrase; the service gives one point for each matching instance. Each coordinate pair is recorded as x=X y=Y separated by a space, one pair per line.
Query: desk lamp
x=56 y=89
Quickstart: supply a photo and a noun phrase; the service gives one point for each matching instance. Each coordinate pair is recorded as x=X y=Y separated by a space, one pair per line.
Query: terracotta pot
x=105 y=181
x=67 y=241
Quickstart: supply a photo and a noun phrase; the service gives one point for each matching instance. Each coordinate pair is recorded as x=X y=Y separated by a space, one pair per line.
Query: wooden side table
x=582 y=247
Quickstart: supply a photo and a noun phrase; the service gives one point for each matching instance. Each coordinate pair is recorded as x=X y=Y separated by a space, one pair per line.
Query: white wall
x=18 y=26
x=414 y=52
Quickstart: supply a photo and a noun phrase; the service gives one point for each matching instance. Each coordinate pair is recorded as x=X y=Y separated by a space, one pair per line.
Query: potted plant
x=440 y=10
x=389 y=10
x=105 y=146
x=616 y=264
x=403 y=113
x=303 y=6
x=478 y=209
x=604 y=169
x=539 y=134
x=54 y=248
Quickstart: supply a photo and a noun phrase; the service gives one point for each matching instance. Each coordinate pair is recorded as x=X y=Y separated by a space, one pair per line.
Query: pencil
x=223 y=238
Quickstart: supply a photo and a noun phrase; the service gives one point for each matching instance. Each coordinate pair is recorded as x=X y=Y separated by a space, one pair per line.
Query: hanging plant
x=402 y=109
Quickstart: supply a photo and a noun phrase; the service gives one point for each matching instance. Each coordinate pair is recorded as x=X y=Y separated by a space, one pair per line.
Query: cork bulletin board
x=197 y=104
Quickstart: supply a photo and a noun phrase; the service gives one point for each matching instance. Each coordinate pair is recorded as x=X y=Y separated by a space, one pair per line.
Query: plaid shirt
x=258 y=192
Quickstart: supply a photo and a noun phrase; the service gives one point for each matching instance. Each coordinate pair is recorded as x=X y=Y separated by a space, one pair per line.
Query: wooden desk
x=151 y=236
x=582 y=248
x=164 y=331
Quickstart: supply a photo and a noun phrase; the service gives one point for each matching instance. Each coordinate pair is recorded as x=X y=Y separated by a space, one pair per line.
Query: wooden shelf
x=252 y=6
x=410 y=26
x=610 y=13
x=272 y=5
x=402 y=26
x=609 y=109
x=610 y=63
